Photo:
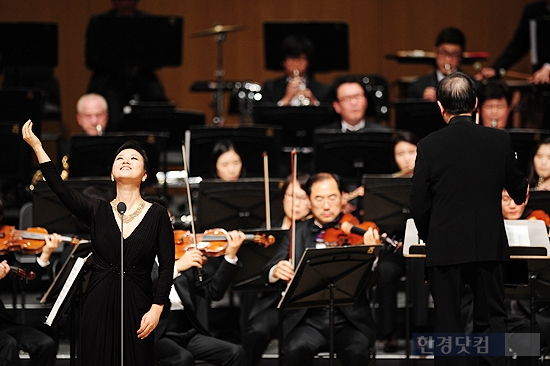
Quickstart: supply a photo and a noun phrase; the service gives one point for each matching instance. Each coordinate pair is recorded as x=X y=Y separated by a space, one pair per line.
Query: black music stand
x=539 y=200
x=51 y=214
x=254 y=257
x=298 y=124
x=22 y=104
x=524 y=143
x=386 y=201
x=171 y=121
x=351 y=155
x=17 y=162
x=236 y=205
x=418 y=116
x=330 y=277
x=93 y=156
x=28 y=44
x=328 y=39
x=249 y=141
x=145 y=41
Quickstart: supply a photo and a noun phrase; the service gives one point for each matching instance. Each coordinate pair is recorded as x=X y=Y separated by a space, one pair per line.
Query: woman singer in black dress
x=147 y=234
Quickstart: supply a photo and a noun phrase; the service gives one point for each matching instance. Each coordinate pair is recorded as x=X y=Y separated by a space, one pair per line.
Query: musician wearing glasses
x=349 y=101
x=307 y=331
x=449 y=45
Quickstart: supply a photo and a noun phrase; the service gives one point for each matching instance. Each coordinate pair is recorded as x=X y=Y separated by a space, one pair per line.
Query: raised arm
x=34 y=142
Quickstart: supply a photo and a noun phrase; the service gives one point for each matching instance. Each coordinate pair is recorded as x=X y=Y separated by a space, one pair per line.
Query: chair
x=25 y=216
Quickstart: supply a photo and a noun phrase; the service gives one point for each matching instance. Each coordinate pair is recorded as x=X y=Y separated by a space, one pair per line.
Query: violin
x=336 y=236
x=30 y=241
x=213 y=242
x=28 y=276
x=539 y=215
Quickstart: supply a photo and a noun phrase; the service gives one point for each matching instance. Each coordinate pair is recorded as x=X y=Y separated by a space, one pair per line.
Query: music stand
x=236 y=205
x=351 y=155
x=28 y=44
x=249 y=141
x=330 y=277
x=93 y=156
x=254 y=257
x=48 y=211
x=524 y=142
x=297 y=124
x=386 y=201
x=173 y=122
x=16 y=163
x=418 y=116
x=145 y=41
x=539 y=200
x=328 y=39
x=22 y=104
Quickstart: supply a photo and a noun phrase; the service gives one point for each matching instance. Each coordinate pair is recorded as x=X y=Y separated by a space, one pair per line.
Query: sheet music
x=75 y=271
x=518 y=235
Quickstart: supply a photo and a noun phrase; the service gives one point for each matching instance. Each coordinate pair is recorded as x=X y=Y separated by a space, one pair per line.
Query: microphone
x=121 y=208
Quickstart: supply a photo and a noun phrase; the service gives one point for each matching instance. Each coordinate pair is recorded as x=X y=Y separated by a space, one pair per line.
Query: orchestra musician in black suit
x=181 y=337
x=520 y=45
x=456 y=204
x=15 y=337
x=306 y=331
x=449 y=45
x=298 y=86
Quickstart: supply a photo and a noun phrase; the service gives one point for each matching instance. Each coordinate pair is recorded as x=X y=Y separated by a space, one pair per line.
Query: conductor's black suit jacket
x=456 y=194
x=358 y=315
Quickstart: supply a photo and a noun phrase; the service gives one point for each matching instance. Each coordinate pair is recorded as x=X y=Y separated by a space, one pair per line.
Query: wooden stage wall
x=376 y=28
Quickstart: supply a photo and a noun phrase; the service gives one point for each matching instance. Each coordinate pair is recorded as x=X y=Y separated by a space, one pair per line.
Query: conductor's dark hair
x=136 y=146
x=295 y=45
x=451 y=35
x=221 y=147
x=495 y=89
x=457 y=93
x=344 y=79
x=319 y=177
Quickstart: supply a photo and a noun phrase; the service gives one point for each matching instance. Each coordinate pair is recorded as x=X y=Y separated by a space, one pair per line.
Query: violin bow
x=292 y=246
x=266 y=190
x=188 y=188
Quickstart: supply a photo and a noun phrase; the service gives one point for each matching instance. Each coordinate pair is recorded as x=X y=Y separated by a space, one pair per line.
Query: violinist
x=15 y=337
x=513 y=211
x=261 y=329
x=307 y=330
x=181 y=336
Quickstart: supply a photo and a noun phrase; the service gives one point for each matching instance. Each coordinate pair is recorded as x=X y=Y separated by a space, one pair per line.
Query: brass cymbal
x=219 y=29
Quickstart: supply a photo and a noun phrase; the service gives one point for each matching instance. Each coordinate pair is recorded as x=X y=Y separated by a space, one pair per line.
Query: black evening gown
x=101 y=313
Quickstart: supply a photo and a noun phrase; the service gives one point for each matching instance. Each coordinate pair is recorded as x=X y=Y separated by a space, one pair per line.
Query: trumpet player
x=297 y=87
x=448 y=49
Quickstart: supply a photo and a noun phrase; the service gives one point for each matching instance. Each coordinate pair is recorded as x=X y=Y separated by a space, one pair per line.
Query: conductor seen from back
x=456 y=205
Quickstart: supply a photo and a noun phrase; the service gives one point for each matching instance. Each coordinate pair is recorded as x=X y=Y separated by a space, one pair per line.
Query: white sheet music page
x=518 y=235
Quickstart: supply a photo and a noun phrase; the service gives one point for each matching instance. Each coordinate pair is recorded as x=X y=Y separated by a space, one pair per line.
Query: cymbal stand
x=219 y=119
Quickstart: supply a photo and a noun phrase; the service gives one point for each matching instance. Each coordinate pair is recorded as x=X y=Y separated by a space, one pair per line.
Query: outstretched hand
x=34 y=142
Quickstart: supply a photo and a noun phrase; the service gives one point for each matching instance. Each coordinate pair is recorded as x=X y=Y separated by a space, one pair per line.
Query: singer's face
x=326 y=200
x=129 y=166
x=92 y=114
x=448 y=54
x=495 y=112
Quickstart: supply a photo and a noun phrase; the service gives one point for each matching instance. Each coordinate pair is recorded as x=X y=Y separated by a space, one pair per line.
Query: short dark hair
x=344 y=79
x=318 y=177
x=457 y=93
x=495 y=89
x=295 y=45
x=451 y=35
x=132 y=144
x=406 y=136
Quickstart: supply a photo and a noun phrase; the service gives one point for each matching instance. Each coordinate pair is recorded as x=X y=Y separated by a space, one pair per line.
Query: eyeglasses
x=453 y=55
x=299 y=199
x=322 y=201
x=351 y=98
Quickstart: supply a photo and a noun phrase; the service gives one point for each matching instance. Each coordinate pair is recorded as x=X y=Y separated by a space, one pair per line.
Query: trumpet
x=303 y=100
